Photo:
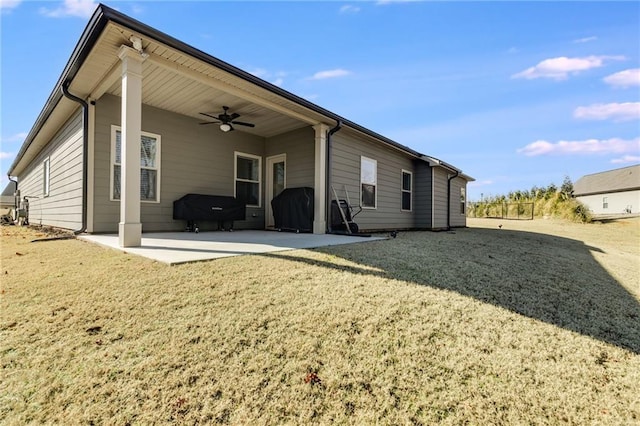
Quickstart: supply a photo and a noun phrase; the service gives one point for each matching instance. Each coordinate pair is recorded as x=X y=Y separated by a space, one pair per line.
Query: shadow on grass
x=549 y=278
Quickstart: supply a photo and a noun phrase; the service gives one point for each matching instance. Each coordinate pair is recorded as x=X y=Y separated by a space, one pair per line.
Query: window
x=463 y=200
x=407 y=184
x=46 y=177
x=605 y=203
x=247 y=180
x=149 y=165
x=368 y=182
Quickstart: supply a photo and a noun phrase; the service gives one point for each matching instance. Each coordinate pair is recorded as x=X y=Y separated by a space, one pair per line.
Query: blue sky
x=515 y=94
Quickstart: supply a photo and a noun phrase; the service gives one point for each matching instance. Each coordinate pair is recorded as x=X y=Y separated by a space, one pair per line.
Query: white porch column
x=320 y=180
x=130 y=228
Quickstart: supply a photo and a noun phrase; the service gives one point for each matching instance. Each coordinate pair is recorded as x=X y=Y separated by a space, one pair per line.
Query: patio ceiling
x=180 y=83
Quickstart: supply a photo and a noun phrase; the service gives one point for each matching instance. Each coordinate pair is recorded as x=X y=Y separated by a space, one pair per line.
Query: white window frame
x=463 y=201
x=605 y=203
x=363 y=160
x=237 y=154
x=114 y=130
x=46 y=176
x=409 y=191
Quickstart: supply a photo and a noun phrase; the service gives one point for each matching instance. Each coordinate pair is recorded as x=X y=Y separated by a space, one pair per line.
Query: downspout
x=328 y=172
x=85 y=152
x=15 y=196
x=449 y=198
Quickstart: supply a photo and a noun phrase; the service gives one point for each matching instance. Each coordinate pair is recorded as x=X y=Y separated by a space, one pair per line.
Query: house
x=7 y=198
x=121 y=137
x=613 y=192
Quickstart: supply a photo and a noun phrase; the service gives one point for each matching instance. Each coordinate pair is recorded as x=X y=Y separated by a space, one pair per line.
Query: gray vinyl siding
x=457 y=219
x=346 y=151
x=63 y=206
x=299 y=145
x=422 y=183
x=440 y=177
x=194 y=159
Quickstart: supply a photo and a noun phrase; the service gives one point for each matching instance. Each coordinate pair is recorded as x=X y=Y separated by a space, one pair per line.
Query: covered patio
x=183 y=247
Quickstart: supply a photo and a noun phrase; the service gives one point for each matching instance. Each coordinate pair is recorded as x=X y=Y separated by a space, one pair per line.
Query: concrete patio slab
x=183 y=247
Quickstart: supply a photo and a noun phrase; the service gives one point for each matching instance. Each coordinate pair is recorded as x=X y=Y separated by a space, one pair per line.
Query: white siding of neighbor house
x=617 y=202
x=346 y=152
x=195 y=159
x=63 y=206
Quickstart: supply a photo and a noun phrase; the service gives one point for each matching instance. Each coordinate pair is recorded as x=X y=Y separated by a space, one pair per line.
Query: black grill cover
x=208 y=207
x=293 y=209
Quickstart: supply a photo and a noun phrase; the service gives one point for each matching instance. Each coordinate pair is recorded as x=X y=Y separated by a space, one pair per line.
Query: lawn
x=534 y=322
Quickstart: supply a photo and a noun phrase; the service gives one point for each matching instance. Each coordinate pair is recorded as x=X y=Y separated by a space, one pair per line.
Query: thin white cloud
x=386 y=2
x=560 y=68
x=259 y=72
x=347 y=8
x=585 y=39
x=589 y=146
x=623 y=79
x=481 y=182
x=7 y=5
x=626 y=159
x=624 y=111
x=18 y=137
x=137 y=9
x=513 y=50
x=79 y=8
x=5 y=155
x=274 y=78
x=322 y=75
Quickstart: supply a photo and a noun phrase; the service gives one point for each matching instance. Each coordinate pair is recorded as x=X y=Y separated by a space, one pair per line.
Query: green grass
x=480 y=326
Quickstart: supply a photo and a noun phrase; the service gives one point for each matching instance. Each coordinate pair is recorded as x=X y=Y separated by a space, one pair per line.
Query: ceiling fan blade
x=240 y=123
x=209 y=115
x=234 y=116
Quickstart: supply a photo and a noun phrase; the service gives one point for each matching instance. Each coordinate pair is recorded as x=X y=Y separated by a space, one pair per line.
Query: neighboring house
x=7 y=198
x=120 y=138
x=613 y=192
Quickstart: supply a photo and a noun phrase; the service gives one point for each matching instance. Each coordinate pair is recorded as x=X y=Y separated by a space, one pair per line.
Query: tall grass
x=549 y=202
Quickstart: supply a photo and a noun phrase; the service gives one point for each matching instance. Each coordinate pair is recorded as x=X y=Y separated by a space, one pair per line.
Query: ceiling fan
x=225 y=120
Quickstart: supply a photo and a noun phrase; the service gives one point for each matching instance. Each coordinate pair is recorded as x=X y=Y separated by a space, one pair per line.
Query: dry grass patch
x=483 y=325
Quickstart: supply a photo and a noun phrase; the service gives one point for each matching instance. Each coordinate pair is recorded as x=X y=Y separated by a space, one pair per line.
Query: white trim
x=374 y=183
x=91 y=166
x=463 y=195
x=237 y=154
x=410 y=191
x=269 y=162
x=320 y=171
x=46 y=177
x=112 y=162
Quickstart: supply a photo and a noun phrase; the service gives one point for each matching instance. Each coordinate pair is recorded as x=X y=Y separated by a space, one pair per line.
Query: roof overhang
x=178 y=78
x=435 y=162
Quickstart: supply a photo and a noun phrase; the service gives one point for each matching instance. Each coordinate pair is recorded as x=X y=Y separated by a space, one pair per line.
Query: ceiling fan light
x=225 y=127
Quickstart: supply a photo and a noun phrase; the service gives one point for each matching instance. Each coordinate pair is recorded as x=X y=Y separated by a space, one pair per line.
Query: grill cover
x=208 y=207
x=293 y=209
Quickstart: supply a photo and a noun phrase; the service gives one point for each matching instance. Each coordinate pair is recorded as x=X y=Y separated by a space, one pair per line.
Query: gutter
x=328 y=171
x=85 y=152
x=89 y=37
x=449 y=179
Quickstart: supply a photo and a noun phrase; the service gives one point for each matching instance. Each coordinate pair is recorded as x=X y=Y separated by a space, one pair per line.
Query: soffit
x=177 y=82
